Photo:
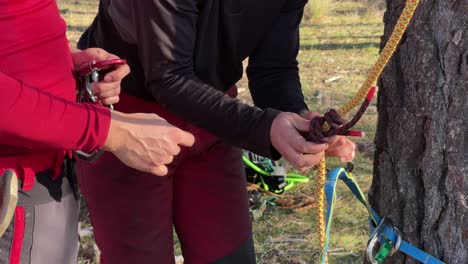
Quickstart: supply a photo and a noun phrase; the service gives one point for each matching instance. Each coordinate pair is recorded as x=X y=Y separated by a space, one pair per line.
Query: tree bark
x=421 y=160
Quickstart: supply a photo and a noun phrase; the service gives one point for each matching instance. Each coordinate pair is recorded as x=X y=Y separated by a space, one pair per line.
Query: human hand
x=338 y=146
x=341 y=147
x=285 y=135
x=145 y=142
x=107 y=90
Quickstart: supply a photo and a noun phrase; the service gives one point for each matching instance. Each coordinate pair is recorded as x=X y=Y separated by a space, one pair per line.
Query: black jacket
x=185 y=54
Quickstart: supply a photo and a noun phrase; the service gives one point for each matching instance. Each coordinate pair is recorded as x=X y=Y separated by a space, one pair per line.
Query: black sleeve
x=166 y=31
x=273 y=68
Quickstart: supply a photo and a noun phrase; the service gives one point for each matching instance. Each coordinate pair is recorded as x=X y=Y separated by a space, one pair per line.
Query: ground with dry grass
x=336 y=52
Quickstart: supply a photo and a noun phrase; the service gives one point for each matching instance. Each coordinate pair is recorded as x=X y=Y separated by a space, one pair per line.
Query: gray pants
x=44 y=229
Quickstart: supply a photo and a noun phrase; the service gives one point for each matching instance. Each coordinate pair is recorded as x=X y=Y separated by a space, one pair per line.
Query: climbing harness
x=89 y=73
x=8 y=198
x=363 y=93
x=383 y=231
x=265 y=175
x=268 y=174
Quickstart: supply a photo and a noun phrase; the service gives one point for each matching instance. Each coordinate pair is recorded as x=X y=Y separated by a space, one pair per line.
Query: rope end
x=371 y=93
x=355 y=133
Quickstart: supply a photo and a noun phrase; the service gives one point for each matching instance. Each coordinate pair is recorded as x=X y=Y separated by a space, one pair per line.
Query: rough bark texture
x=421 y=163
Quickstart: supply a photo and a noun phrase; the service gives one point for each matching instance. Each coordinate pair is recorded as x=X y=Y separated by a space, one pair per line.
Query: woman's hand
x=107 y=90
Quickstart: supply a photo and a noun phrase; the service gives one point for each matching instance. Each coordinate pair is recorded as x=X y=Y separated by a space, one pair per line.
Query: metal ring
x=88 y=156
x=91 y=65
x=373 y=239
x=370 y=249
x=397 y=244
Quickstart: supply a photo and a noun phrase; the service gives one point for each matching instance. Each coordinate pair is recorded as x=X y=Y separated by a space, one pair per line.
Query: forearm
x=239 y=124
x=34 y=119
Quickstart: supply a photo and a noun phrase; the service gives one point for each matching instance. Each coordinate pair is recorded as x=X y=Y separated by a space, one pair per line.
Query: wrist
x=111 y=143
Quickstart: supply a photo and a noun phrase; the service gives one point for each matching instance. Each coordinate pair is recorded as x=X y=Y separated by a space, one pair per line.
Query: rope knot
x=332 y=119
x=338 y=126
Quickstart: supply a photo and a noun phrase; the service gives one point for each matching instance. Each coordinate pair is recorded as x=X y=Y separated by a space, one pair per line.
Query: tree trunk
x=421 y=162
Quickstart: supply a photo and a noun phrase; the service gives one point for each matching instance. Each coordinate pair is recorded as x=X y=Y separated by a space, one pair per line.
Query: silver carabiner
x=88 y=79
x=374 y=238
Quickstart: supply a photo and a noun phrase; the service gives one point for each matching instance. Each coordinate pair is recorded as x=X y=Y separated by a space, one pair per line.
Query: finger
x=167 y=160
x=185 y=138
x=110 y=100
x=305 y=147
x=118 y=74
x=301 y=124
x=313 y=159
x=332 y=140
x=349 y=157
x=101 y=87
x=109 y=93
x=338 y=146
x=294 y=157
x=174 y=150
x=291 y=156
x=344 y=153
x=160 y=170
x=341 y=146
x=99 y=54
x=311 y=115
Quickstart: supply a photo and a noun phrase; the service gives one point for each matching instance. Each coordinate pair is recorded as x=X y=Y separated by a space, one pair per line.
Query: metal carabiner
x=397 y=244
x=89 y=73
x=374 y=238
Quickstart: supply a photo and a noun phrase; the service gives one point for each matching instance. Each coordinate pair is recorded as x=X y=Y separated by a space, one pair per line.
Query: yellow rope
x=371 y=80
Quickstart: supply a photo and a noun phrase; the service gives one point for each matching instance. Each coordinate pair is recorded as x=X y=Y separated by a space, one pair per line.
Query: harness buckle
x=388 y=247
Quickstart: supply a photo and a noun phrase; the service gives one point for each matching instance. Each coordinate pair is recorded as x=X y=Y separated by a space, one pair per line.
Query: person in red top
x=40 y=124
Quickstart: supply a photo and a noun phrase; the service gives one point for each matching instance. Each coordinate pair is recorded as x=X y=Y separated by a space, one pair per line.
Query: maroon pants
x=203 y=197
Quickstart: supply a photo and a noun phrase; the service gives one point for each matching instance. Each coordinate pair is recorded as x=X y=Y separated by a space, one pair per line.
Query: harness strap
x=387 y=233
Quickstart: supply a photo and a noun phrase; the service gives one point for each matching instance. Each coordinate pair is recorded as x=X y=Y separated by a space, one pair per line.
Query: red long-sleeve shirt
x=39 y=121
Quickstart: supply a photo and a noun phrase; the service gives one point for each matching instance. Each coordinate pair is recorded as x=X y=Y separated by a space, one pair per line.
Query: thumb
x=310 y=115
x=301 y=124
x=99 y=54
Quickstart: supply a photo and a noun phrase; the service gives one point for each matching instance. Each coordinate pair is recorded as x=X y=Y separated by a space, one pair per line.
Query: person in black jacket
x=186 y=57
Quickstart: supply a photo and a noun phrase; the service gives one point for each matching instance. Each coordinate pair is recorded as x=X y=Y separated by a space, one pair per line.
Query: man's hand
x=338 y=146
x=107 y=90
x=145 y=142
x=286 y=138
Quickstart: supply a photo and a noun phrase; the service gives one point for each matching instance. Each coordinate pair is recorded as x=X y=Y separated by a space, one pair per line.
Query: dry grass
x=336 y=52
x=317 y=9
